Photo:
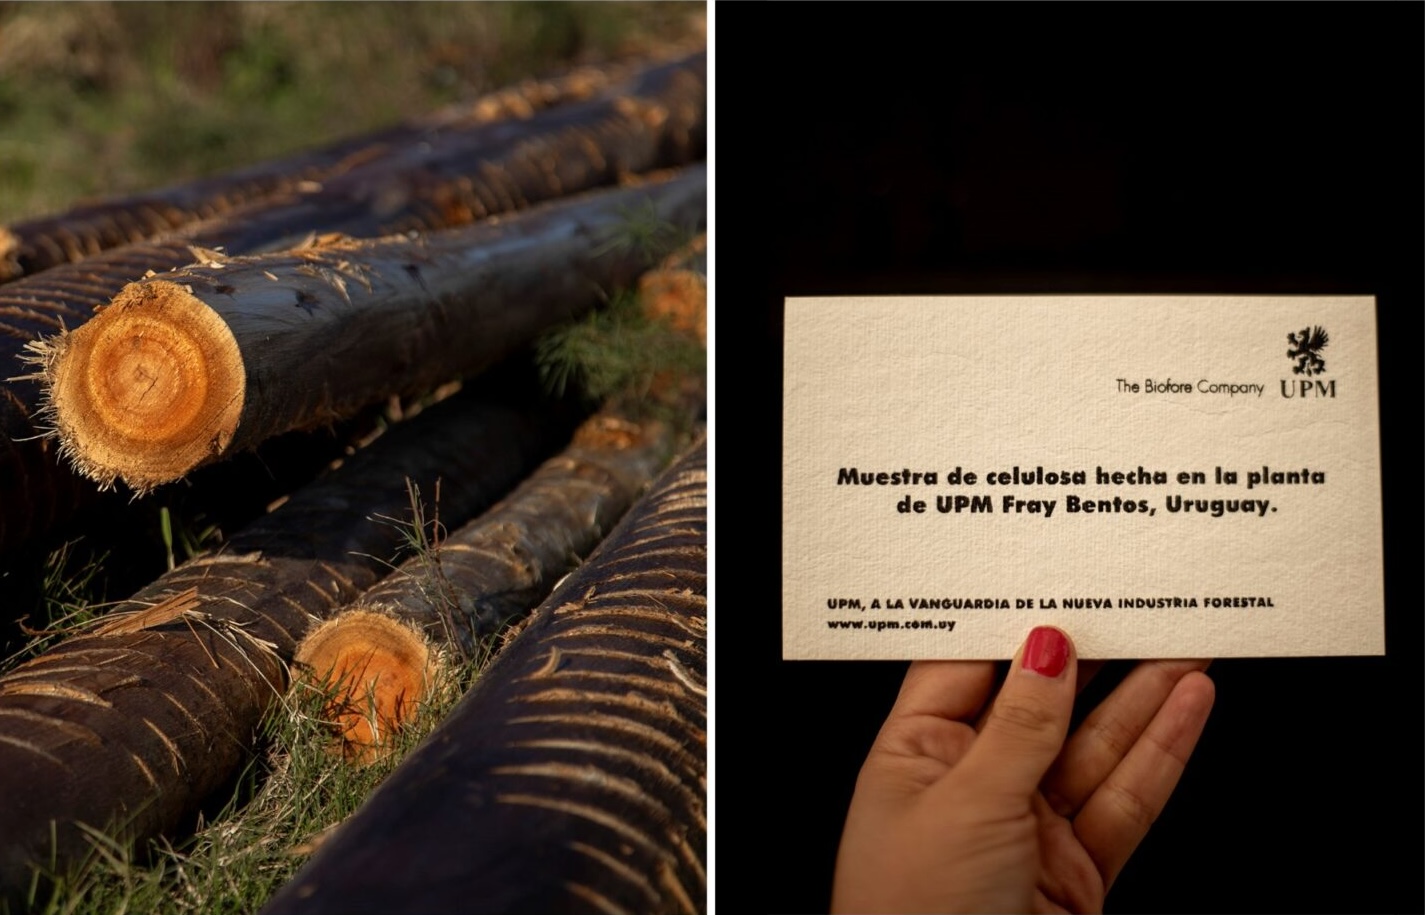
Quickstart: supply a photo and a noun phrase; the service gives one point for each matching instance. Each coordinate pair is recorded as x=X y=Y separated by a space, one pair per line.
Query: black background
x=1118 y=148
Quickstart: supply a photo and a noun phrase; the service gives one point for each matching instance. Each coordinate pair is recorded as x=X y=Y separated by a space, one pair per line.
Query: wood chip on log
x=572 y=776
x=128 y=730
x=479 y=579
x=184 y=369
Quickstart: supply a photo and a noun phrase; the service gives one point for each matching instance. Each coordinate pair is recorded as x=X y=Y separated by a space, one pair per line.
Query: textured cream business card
x=1161 y=476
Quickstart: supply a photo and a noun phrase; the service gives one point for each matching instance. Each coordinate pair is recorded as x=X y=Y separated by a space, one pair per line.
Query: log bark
x=572 y=777
x=479 y=579
x=493 y=571
x=128 y=728
x=654 y=119
x=187 y=368
x=32 y=245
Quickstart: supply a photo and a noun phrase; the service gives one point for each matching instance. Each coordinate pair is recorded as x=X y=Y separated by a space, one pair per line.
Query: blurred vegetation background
x=103 y=98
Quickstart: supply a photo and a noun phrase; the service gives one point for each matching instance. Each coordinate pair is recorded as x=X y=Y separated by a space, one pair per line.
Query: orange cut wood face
x=148 y=389
x=679 y=297
x=378 y=671
x=676 y=290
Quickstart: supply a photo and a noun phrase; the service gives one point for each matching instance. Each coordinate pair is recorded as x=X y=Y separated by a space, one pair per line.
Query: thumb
x=1025 y=728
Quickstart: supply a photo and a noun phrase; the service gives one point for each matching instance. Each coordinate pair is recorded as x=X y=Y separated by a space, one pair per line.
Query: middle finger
x=1110 y=730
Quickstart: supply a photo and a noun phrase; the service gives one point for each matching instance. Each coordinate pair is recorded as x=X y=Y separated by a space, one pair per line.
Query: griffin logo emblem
x=1307 y=353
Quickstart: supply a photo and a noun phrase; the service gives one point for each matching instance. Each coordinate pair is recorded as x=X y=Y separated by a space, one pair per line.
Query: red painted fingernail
x=1046 y=651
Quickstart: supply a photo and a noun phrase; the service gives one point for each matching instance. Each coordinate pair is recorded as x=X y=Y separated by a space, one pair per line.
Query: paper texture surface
x=1160 y=476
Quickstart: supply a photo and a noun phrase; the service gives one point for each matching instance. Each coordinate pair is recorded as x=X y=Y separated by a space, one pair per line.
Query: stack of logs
x=148 y=336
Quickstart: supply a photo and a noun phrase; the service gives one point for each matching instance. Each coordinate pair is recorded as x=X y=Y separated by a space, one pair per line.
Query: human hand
x=962 y=810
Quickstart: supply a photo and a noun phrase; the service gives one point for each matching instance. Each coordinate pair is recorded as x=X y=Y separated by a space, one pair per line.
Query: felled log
x=32 y=245
x=572 y=777
x=477 y=580
x=498 y=567
x=654 y=119
x=128 y=727
x=188 y=367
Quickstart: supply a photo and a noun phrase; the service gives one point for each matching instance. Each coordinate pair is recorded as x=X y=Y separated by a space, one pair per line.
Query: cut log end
x=609 y=432
x=149 y=389
x=10 y=267
x=677 y=290
x=377 y=672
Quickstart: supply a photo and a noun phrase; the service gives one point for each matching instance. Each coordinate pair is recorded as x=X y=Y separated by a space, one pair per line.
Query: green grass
x=188 y=542
x=421 y=538
x=70 y=594
x=617 y=350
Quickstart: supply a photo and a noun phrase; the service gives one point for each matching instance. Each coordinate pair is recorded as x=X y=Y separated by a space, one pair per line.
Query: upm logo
x=1306 y=352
